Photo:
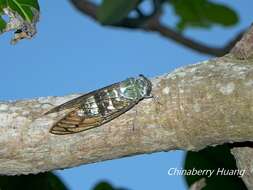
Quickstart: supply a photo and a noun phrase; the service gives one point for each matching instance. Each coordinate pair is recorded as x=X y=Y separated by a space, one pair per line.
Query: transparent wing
x=74 y=103
x=74 y=123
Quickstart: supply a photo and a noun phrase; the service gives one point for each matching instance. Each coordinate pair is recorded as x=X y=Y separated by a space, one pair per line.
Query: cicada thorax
x=105 y=102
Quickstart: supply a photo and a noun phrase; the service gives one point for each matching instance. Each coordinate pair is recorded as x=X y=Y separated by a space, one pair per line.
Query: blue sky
x=73 y=54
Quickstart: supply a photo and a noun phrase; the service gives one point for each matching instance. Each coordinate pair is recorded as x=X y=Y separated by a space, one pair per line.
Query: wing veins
x=81 y=126
x=76 y=101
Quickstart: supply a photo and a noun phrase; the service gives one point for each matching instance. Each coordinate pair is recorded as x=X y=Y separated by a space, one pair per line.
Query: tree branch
x=204 y=104
x=243 y=152
x=244 y=161
x=198 y=185
x=244 y=48
x=147 y=24
x=196 y=106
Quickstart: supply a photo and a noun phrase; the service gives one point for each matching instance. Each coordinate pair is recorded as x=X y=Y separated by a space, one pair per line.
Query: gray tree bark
x=199 y=105
x=244 y=161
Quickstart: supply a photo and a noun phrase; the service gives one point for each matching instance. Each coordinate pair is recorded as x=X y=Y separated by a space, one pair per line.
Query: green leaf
x=2 y=24
x=3 y=3
x=24 y=8
x=23 y=16
x=40 y=181
x=213 y=158
x=105 y=186
x=113 y=11
x=202 y=13
x=221 y=14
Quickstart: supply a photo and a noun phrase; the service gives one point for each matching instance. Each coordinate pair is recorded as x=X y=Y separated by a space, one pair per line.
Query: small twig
x=198 y=185
x=139 y=12
x=147 y=23
x=243 y=156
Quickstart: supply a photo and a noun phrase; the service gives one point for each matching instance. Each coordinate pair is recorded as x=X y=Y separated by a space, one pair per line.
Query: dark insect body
x=101 y=106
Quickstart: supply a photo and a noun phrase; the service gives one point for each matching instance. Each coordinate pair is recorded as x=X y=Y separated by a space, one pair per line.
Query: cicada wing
x=73 y=123
x=74 y=103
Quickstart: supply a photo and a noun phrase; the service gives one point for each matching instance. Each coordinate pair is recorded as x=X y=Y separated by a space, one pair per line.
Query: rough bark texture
x=244 y=48
x=244 y=161
x=204 y=104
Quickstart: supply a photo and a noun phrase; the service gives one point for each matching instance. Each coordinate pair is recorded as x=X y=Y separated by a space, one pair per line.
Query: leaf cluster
x=190 y=13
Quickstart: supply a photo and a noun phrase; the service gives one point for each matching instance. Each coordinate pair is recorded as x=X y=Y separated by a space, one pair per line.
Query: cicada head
x=143 y=86
x=136 y=88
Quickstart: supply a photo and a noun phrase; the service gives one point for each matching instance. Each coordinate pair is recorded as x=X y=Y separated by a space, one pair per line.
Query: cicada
x=101 y=106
